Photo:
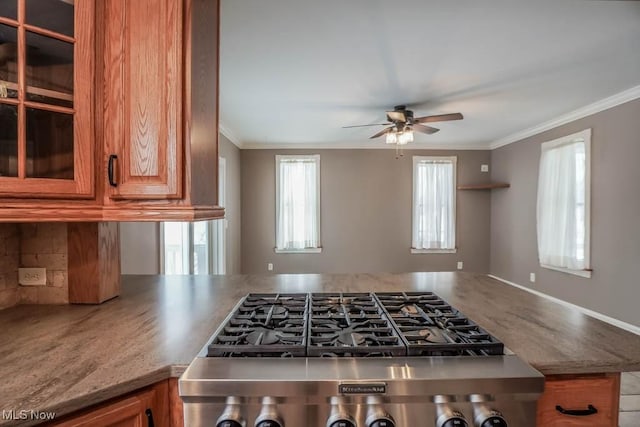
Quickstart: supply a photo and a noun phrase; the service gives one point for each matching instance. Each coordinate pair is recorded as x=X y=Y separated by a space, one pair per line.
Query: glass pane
x=49 y=144
x=54 y=15
x=176 y=244
x=9 y=9
x=201 y=247
x=8 y=62
x=8 y=140
x=49 y=70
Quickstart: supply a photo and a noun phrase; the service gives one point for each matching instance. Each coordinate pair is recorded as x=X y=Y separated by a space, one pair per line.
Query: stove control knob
x=376 y=416
x=229 y=423
x=268 y=416
x=446 y=416
x=269 y=423
x=483 y=415
x=231 y=415
x=339 y=417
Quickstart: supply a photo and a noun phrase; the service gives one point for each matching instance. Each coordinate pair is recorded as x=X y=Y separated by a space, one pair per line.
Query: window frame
x=454 y=161
x=278 y=160
x=585 y=135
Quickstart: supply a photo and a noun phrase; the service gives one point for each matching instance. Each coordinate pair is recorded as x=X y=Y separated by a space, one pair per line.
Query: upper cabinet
x=160 y=109
x=46 y=110
x=113 y=102
x=143 y=119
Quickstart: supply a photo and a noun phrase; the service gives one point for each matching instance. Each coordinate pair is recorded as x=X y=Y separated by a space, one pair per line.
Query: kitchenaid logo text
x=378 y=388
x=27 y=414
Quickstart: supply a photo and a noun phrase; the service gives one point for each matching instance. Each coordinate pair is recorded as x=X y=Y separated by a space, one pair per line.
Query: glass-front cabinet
x=46 y=111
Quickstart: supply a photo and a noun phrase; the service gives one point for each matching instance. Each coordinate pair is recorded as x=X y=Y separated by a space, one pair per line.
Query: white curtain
x=561 y=206
x=298 y=210
x=434 y=205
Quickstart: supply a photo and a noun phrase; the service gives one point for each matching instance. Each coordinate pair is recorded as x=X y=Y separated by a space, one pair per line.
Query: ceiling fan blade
x=382 y=132
x=424 y=129
x=396 y=116
x=359 y=126
x=438 y=118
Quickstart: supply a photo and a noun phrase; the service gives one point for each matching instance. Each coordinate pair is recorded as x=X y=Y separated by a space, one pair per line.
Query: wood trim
x=49 y=33
x=8 y=21
x=94 y=262
x=176 y=409
x=86 y=213
x=22 y=128
x=489 y=186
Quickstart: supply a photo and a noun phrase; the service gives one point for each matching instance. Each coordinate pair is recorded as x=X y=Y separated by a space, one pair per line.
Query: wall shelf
x=488 y=186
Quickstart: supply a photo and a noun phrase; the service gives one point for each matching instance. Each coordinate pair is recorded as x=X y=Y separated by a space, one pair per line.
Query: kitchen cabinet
x=160 y=109
x=46 y=99
x=595 y=397
x=143 y=107
x=147 y=407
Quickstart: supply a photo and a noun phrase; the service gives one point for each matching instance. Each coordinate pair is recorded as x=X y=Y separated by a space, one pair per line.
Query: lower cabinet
x=148 y=407
x=580 y=400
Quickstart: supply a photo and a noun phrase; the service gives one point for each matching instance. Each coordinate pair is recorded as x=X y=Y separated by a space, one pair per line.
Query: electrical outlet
x=460 y=265
x=484 y=168
x=532 y=277
x=32 y=276
x=270 y=266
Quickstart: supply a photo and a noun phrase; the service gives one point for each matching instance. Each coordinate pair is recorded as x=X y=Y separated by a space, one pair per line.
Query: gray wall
x=615 y=215
x=365 y=214
x=140 y=241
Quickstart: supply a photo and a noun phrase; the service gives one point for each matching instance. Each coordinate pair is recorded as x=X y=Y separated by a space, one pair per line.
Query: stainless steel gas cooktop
x=356 y=360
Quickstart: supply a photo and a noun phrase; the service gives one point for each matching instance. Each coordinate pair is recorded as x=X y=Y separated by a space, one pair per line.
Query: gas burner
x=349 y=325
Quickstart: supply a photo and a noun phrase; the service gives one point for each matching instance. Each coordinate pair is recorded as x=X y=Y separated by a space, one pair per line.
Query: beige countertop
x=63 y=358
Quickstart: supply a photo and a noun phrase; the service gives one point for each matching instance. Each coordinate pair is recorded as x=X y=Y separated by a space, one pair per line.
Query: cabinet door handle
x=112 y=180
x=149 y=415
x=577 y=412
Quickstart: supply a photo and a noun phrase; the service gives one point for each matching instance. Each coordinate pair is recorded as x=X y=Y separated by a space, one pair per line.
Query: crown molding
x=596 y=107
x=230 y=135
x=359 y=145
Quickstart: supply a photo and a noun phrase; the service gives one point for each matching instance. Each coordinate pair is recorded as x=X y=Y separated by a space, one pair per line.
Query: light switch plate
x=460 y=264
x=270 y=266
x=532 y=277
x=484 y=168
x=32 y=276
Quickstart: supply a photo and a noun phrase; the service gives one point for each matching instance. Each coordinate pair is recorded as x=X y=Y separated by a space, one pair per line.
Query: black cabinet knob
x=494 y=422
x=228 y=423
x=455 y=422
x=343 y=423
x=268 y=423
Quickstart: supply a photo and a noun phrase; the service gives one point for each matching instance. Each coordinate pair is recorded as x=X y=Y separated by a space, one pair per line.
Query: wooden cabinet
x=143 y=107
x=135 y=410
x=46 y=99
x=160 y=109
x=584 y=394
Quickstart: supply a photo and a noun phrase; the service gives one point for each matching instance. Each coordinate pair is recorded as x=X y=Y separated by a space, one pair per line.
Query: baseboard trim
x=612 y=321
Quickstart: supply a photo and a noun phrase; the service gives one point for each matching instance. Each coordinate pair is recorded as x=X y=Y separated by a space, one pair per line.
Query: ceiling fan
x=403 y=124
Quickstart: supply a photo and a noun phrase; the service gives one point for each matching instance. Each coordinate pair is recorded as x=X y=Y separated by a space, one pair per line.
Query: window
x=298 y=203
x=563 y=204
x=434 y=204
x=196 y=247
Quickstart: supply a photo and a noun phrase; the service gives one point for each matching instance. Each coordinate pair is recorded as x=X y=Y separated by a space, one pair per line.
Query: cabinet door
x=579 y=393
x=46 y=114
x=129 y=412
x=143 y=99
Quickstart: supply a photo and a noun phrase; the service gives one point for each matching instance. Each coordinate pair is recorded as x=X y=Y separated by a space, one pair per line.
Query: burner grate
x=429 y=326
x=350 y=324
x=264 y=325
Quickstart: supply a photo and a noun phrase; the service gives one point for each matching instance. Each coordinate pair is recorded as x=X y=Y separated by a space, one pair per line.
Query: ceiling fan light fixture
x=405 y=137
x=391 y=138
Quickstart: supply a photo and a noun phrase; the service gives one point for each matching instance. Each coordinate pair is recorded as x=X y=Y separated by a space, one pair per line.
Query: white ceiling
x=293 y=72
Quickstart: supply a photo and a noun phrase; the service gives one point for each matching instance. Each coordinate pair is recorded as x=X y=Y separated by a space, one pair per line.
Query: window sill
x=298 y=251
x=581 y=273
x=434 y=251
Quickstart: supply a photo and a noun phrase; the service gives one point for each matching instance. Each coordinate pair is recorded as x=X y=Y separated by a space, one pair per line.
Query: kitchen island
x=64 y=358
